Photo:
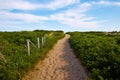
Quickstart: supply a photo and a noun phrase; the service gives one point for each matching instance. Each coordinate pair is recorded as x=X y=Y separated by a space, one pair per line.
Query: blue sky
x=66 y=15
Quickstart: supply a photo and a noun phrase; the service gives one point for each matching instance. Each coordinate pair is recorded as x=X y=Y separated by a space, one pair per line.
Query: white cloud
x=76 y=17
x=106 y=2
x=26 y=5
x=53 y=4
x=59 y=3
x=73 y=17
x=17 y=4
x=29 y=18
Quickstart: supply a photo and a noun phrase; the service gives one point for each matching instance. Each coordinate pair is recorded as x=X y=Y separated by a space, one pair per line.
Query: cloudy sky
x=67 y=15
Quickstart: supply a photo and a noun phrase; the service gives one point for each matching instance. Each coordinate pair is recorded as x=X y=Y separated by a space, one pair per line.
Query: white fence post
x=38 y=40
x=43 y=41
x=28 y=46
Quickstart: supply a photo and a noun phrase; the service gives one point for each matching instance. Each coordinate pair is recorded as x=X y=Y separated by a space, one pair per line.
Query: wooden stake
x=28 y=46
x=38 y=40
x=42 y=41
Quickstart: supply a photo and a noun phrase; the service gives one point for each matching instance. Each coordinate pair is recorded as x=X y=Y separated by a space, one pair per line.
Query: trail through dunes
x=59 y=64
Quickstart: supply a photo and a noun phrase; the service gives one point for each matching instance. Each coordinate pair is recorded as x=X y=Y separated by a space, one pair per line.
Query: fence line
x=38 y=44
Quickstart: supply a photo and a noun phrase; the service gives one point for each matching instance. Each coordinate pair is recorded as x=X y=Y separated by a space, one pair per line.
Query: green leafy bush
x=100 y=53
x=13 y=47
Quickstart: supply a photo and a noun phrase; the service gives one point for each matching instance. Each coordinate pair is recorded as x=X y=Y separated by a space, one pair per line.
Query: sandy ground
x=59 y=64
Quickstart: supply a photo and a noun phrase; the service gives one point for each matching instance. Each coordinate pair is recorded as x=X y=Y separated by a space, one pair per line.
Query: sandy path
x=59 y=64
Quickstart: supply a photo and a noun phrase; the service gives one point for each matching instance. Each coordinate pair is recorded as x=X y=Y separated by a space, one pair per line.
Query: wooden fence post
x=38 y=40
x=43 y=41
x=28 y=46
